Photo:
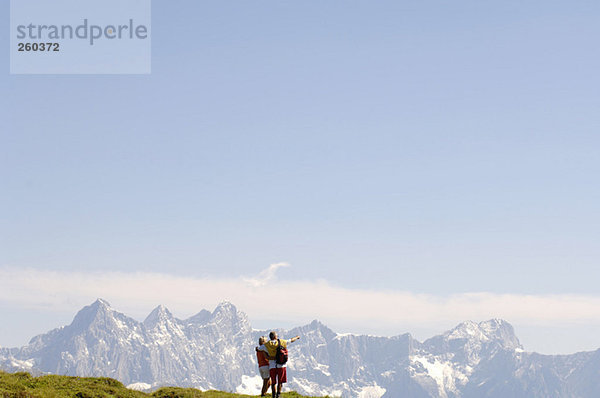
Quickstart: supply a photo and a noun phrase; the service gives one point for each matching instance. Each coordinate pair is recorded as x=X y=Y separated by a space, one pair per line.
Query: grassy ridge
x=23 y=385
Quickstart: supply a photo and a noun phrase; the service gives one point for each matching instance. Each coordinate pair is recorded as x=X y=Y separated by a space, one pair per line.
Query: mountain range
x=215 y=350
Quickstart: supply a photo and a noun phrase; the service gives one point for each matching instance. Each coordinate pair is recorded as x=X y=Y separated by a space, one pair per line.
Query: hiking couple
x=272 y=358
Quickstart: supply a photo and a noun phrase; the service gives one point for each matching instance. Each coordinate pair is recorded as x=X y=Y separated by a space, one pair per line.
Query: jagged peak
x=483 y=327
x=227 y=315
x=101 y=303
x=98 y=309
x=494 y=324
x=466 y=329
x=223 y=310
x=158 y=314
x=323 y=329
x=316 y=324
x=199 y=318
x=225 y=306
x=495 y=329
x=161 y=309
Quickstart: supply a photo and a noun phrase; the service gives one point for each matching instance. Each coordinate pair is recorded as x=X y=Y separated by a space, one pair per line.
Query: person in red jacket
x=263 y=367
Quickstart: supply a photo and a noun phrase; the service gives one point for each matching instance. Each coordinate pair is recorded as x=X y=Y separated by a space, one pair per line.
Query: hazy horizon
x=562 y=328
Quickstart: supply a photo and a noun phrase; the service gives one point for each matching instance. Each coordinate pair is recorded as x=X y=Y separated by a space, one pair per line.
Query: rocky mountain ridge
x=215 y=350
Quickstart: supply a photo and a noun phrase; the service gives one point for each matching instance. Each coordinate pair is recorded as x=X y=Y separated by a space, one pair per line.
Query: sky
x=414 y=164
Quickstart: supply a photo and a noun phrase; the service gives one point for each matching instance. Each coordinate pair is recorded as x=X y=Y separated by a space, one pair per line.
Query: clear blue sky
x=434 y=147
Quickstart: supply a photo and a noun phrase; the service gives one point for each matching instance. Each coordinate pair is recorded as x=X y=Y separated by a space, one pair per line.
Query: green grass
x=23 y=385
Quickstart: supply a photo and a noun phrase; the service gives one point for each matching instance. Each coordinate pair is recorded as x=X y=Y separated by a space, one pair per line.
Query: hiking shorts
x=278 y=375
x=264 y=372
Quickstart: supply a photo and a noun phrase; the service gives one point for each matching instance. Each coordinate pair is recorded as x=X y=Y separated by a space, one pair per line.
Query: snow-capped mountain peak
x=99 y=311
x=225 y=310
x=101 y=303
x=494 y=331
x=200 y=318
x=158 y=315
x=227 y=317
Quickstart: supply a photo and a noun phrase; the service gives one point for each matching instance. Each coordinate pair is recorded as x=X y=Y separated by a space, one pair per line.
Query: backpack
x=281 y=356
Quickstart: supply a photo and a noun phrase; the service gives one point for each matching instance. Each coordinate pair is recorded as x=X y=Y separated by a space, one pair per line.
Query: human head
x=261 y=340
x=273 y=335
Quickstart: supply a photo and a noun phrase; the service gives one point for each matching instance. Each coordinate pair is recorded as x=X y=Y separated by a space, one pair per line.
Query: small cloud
x=266 y=276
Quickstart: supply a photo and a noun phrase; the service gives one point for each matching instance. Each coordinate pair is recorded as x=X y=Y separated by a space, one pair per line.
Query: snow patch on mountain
x=250 y=385
x=371 y=392
x=26 y=365
x=140 y=386
x=447 y=375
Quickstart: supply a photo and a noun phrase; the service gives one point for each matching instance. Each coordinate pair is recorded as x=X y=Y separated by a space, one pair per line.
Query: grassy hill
x=23 y=385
